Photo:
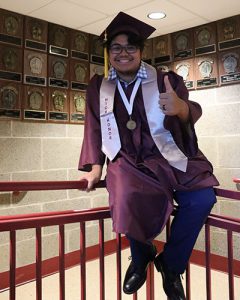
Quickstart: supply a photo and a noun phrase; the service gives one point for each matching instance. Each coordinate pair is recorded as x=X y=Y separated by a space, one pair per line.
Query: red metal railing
x=40 y=220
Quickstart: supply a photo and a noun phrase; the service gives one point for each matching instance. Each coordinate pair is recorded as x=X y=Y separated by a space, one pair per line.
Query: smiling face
x=126 y=64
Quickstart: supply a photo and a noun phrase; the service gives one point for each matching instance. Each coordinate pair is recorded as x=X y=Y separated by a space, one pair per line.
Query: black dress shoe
x=172 y=284
x=136 y=274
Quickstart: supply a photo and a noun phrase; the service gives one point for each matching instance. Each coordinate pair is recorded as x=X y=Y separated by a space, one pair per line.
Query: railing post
x=83 y=259
x=39 y=263
x=12 y=265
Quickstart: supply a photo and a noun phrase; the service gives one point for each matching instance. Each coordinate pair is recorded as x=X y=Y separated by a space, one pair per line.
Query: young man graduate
x=140 y=120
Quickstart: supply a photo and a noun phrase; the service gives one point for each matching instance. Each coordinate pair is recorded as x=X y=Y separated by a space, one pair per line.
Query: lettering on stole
x=109 y=128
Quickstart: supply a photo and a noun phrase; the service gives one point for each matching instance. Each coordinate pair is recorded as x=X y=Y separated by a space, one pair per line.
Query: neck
x=127 y=77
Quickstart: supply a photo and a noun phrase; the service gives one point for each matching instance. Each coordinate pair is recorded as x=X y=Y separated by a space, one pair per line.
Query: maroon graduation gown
x=139 y=180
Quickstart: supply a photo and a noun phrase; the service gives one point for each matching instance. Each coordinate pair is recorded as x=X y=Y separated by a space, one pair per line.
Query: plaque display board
x=229 y=66
x=10 y=63
x=185 y=68
x=11 y=28
x=147 y=54
x=182 y=43
x=34 y=103
x=79 y=45
x=10 y=100
x=228 y=33
x=58 y=70
x=206 y=71
x=79 y=74
x=58 y=105
x=205 y=39
x=96 y=50
x=162 y=49
x=58 y=39
x=77 y=106
x=35 y=68
x=96 y=69
x=36 y=34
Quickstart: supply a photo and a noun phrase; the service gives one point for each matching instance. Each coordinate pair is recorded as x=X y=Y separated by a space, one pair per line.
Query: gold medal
x=131 y=124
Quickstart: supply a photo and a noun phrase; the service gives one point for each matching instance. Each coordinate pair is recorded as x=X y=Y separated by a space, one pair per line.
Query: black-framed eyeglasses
x=117 y=49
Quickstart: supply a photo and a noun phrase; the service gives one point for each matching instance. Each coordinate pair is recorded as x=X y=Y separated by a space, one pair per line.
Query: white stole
x=163 y=139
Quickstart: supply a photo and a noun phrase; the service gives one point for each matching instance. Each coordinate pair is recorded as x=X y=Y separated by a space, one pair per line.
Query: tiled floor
x=51 y=287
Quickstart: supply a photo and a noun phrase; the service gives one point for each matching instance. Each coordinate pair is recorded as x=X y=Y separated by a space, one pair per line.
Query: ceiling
x=93 y=16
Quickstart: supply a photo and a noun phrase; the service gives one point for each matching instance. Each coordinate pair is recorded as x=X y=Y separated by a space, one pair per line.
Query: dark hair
x=133 y=39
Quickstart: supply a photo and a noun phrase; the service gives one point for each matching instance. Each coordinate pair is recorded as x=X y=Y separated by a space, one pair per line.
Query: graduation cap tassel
x=105 y=57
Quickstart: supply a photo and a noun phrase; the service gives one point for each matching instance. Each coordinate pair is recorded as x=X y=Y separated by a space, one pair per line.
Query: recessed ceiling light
x=156 y=15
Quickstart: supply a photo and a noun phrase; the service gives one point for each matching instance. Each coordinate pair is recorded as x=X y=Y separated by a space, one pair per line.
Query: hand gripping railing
x=237 y=181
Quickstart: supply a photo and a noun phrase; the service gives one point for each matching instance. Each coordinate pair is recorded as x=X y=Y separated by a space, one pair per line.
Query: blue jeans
x=193 y=209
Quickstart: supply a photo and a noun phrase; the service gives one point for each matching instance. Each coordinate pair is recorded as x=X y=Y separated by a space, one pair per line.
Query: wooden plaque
x=79 y=74
x=165 y=67
x=35 y=68
x=147 y=54
x=228 y=31
x=96 y=69
x=162 y=49
x=58 y=105
x=96 y=50
x=205 y=39
x=35 y=103
x=11 y=63
x=77 y=106
x=36 y=34
x=58 y=70
x=58 y=39
x=229 y=66
x=79 y=45
x=10 y=100
x=185 y=68
x=11 y=28
x=206 y=71
x=182 y=43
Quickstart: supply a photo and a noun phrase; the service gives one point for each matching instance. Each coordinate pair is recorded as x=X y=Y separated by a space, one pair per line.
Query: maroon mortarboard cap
x=125 y=23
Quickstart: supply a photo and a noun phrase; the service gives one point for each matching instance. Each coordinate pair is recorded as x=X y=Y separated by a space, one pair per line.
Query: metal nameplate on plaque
x=78 y=86
x=8 y=39
x=79 y=55
x=97 y=59
x=10 y=113
x=35 y=45
x=35 y=80
x=11 y=76
x=229 y=44
x=57 y=116
x=58 y=83
x=58 y=51
x=34 y=115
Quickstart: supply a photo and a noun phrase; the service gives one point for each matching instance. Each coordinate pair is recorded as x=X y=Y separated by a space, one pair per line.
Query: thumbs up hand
x=171 y=104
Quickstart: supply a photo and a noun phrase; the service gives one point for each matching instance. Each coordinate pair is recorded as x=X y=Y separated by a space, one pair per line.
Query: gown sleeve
x=183 y=133
x=92 y=142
